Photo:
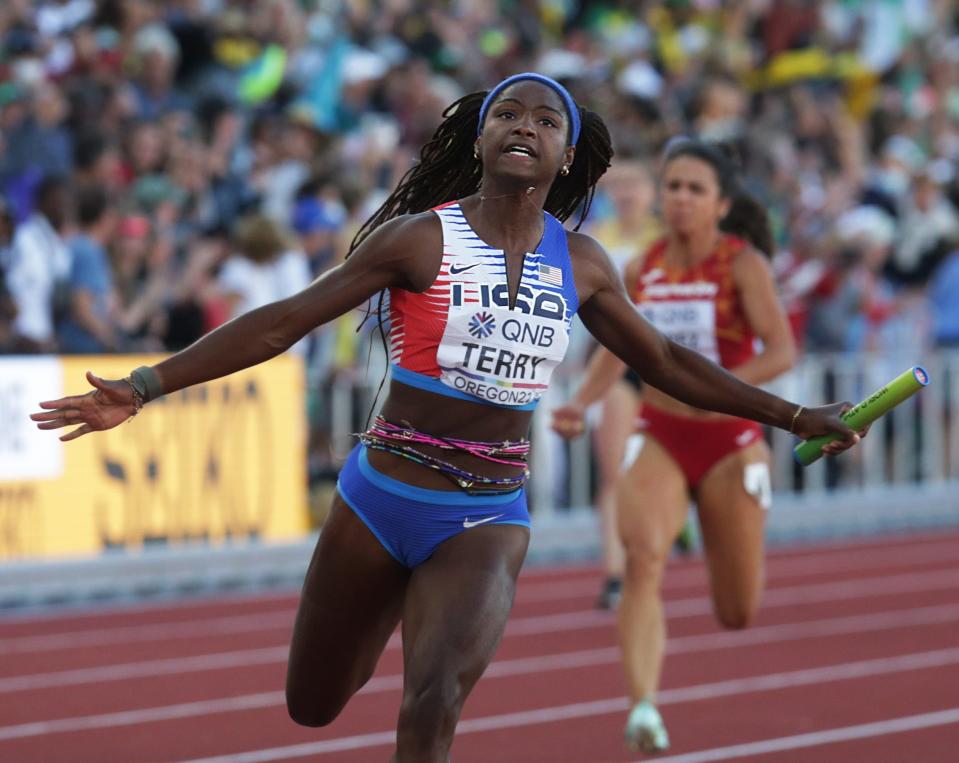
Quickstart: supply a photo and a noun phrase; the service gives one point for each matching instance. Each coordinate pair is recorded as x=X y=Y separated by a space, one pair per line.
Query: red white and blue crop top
x=459 y=337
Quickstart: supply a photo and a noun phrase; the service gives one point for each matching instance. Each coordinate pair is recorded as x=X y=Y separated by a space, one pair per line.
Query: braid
x=440 y=175
x=594 y=150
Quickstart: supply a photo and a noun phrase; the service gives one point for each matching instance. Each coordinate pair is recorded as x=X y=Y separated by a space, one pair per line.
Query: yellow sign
x=221 y=461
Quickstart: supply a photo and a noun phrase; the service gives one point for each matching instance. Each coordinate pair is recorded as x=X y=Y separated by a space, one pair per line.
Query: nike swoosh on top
x=467 y=524
x=454 y=270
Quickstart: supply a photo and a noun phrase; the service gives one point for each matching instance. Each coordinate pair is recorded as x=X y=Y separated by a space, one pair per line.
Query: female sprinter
x=631 y=188
x=429 y=526
x=706 y=285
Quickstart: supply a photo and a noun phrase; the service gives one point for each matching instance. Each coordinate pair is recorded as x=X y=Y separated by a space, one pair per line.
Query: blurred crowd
x=167 y=165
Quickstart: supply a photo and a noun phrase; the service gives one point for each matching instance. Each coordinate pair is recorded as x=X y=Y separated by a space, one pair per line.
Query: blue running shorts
x=412 y=521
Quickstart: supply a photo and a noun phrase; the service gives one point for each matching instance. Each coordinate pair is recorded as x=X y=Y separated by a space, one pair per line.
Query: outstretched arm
x=394 y=255
x=384 y=260
x=679 y=372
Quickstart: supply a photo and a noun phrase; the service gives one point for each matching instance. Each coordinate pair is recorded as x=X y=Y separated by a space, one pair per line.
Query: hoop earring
x=564 y=170
x=476 y=152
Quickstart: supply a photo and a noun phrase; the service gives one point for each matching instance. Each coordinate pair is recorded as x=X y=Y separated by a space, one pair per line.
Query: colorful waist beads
x=400 y=439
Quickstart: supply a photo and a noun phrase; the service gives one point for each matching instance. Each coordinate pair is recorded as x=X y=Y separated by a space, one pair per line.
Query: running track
x=854 y=657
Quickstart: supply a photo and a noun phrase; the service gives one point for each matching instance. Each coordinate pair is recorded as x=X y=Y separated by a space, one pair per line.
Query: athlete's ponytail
x=747 y=218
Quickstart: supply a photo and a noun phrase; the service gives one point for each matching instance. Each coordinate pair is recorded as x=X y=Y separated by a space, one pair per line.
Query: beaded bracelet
x=138 y=401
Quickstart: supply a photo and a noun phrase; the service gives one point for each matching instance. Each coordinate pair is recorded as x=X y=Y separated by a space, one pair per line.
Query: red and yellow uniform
x=700 y=308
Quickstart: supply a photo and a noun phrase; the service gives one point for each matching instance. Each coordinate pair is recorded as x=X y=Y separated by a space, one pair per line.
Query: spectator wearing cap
x=318 y=222
x=89 y=326
x=40 y=264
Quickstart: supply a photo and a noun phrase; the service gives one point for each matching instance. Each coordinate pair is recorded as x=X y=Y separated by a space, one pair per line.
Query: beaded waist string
x=400 y=440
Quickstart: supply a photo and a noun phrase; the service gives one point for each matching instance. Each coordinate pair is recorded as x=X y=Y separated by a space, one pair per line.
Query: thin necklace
x=505 y=195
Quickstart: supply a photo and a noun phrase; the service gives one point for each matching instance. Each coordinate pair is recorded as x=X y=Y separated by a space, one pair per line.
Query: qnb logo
x=481 y=325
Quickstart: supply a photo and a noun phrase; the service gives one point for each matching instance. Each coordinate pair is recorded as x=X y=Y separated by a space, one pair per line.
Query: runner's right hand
x=569 y=420
x=106 y=406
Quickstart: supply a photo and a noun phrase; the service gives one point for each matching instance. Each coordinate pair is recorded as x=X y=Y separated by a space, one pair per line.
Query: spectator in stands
x=142 y=280
x=9 y=342
x=847 y=316
x=154 y=57
x=267 y=267
x=90 y=325
x=944 y=298
x=39 y=265
x=318 y=222
x=929 y=229
x=96 y=161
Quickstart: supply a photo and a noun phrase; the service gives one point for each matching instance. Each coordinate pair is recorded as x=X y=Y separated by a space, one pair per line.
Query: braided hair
x=747 y=218
x=447 y=169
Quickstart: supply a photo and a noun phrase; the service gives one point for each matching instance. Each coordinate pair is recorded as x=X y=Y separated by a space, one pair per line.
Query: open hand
x=569 y=420
x=109 y=404
x=825 y=419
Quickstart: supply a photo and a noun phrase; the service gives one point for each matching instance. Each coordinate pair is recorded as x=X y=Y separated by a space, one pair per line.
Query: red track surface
x=855 y=657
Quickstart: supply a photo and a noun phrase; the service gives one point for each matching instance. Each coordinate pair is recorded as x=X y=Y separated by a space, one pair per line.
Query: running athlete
x=706 y=285
x=631 y=188
x=429 y=525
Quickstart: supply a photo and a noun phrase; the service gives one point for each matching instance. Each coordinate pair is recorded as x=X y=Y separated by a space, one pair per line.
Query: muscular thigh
x=457 y=605
x=732 y=520
x=652 y=500
x=351 y=602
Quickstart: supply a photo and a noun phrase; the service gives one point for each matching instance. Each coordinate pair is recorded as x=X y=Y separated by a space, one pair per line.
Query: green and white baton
x=884 y=399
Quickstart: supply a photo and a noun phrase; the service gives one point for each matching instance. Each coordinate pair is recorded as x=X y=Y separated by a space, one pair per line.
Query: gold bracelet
x=792 y=424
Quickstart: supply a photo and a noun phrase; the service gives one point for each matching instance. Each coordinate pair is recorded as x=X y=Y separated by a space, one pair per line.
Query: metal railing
x=916 y=444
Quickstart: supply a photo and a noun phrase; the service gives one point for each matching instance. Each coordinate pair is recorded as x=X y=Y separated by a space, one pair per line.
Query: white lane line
x=565 y=661
x=763 y=683
x=144 y=715
x=695 y=606
x=815 y=738
x=127 y=670
x=696 y=576
x=854 y=560
x=283 y=621
x=129 y=634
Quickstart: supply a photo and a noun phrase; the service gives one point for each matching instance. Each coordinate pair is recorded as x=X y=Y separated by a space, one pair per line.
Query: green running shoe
x=645 y=731
x=685 y=542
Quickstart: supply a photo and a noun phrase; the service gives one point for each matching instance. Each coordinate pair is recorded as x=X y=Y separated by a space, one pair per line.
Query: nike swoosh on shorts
x=467 y=524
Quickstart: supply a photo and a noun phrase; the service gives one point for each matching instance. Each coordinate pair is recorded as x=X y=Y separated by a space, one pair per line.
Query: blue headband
x=571 y=109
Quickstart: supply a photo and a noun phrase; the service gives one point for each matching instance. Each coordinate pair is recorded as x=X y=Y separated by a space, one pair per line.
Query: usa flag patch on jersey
x=551 y=275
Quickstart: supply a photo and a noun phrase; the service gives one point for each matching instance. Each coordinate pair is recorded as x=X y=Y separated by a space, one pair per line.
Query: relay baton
x=884 y=399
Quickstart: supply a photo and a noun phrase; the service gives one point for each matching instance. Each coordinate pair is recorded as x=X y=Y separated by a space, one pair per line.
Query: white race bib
x=689 y=322
x=499 y=355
